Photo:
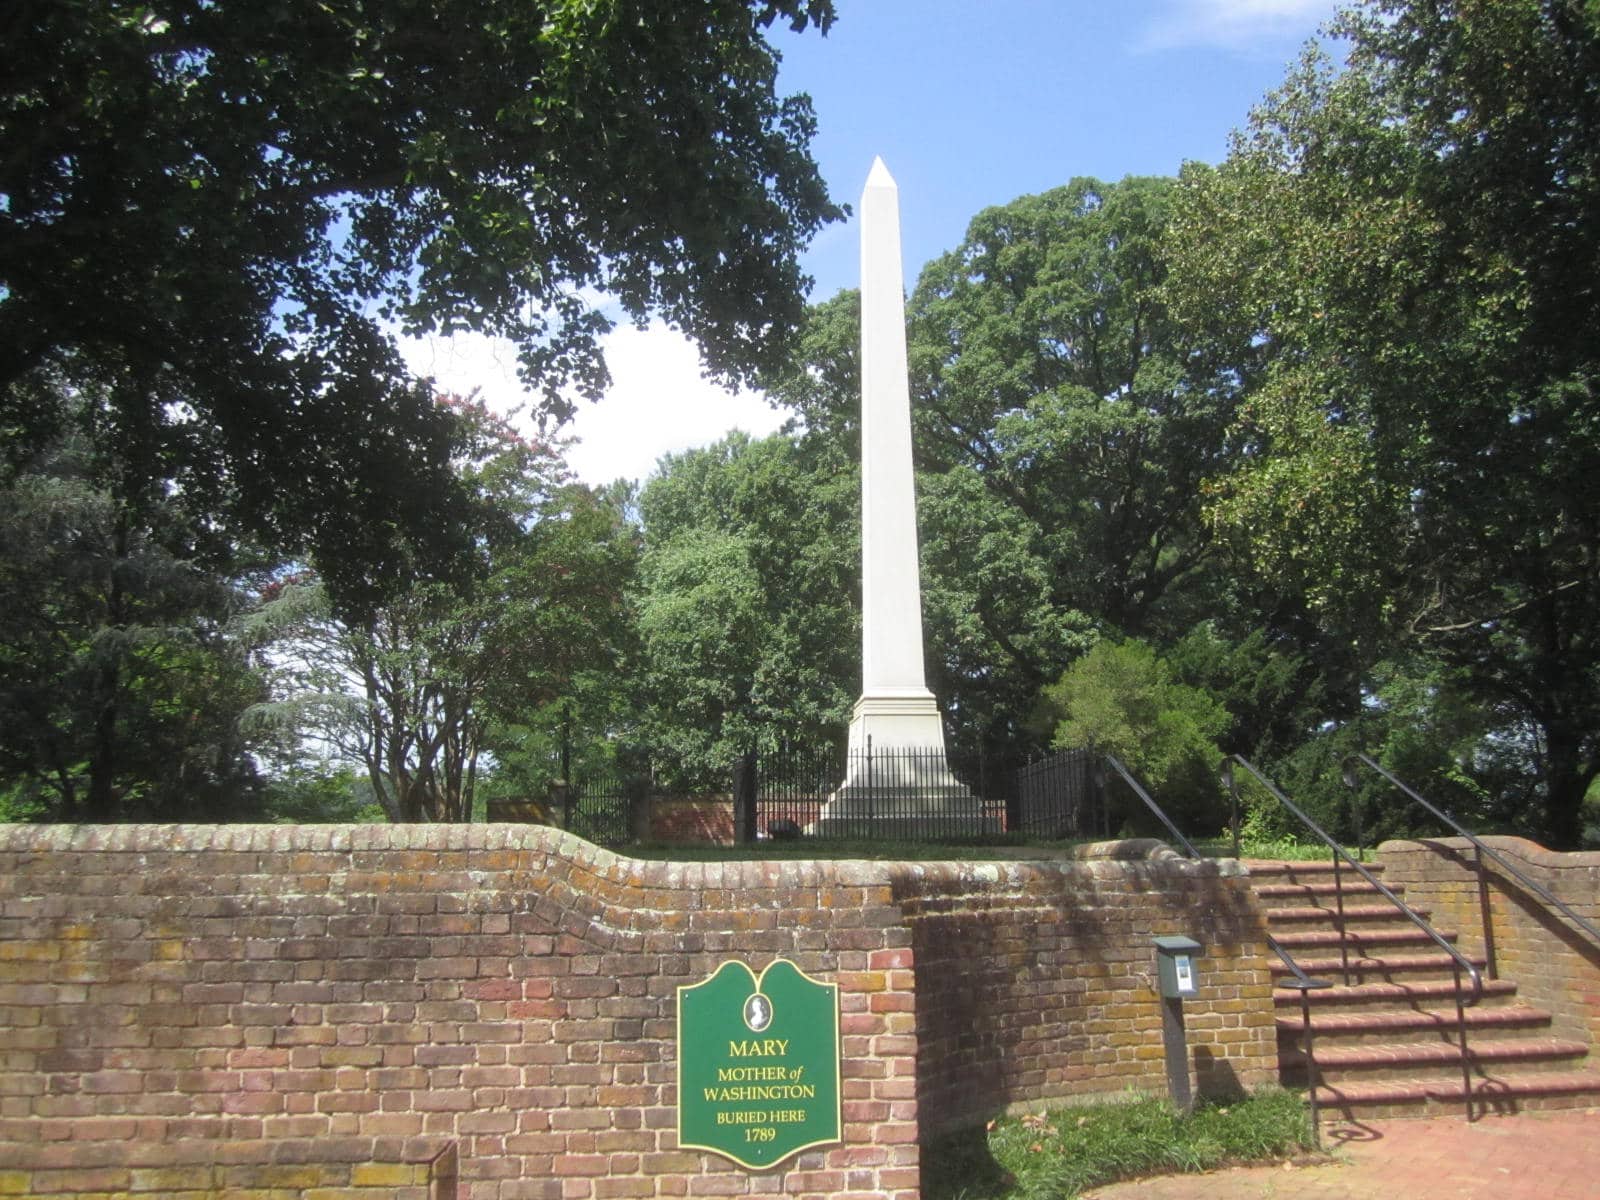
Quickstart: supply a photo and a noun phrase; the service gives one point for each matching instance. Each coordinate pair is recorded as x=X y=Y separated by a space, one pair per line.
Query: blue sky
x=971 y=103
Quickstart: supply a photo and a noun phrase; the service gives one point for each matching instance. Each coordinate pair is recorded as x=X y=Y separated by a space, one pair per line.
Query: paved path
x=1534 y=1156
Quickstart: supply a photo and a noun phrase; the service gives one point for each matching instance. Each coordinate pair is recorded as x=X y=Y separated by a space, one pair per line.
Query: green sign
x=758 y=1063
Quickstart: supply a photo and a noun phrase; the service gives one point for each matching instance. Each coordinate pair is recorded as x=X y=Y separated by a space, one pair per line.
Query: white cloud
x=657 y=404
x=1242 y=26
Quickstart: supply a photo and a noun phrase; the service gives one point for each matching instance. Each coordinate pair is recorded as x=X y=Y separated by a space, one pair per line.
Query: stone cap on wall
x=1527 y=851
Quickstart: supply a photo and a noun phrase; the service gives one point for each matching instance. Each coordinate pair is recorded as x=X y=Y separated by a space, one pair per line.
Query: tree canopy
x=121 y=684
x=1411 y=243
x=1292 y=456
x=748 y=598
x=220 y=214
x=1063 y=426
x=416 y=688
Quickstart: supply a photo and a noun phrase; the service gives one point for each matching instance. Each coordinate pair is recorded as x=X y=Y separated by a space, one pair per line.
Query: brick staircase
x=1388 y=1044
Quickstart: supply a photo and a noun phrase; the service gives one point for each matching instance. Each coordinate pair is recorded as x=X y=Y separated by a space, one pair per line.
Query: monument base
x=898 y=783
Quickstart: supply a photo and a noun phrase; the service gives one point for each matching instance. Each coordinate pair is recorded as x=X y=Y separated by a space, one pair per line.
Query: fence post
x=566 y=768
x=744 y=798
x=872 y=794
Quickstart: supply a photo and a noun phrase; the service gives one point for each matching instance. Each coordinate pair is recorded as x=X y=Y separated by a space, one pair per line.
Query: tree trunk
x=100 y=803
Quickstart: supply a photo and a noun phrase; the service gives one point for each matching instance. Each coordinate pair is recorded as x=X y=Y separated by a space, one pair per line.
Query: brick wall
x=705 y=820
x=1035 y=981
x=315 y=1012
x=1554 y=966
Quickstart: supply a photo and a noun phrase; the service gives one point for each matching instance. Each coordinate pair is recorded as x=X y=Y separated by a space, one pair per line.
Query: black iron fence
x=1060 y=797
x=888 y=793
x=892 y=793
x=602 y=806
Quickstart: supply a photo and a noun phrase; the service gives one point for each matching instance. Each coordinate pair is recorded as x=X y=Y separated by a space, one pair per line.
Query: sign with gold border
x=758 y=1064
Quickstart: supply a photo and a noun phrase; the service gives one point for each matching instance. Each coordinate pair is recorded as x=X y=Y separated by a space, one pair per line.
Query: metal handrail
x=1188 y=848
x=1301 y=978
x=1305 y=985
x=1481 y=850
x=1339 y=852
x=1301 y=982
x=1460 y=961
x=1189 y=851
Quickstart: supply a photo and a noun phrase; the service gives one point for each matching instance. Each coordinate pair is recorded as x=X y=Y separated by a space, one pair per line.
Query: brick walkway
x=1535 y=1156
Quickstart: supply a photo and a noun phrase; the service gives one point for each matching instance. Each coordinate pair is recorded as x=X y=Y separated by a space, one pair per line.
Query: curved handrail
x=1188 y=849
x=1351 y=781
x=1302 y=980
x=1462 y=964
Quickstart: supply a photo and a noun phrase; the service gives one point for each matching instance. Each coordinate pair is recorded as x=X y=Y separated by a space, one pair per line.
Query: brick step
x=1320 y=871
x=1408 y=1058
x=1391 y=994
x=1360 y=940
x=1311 y=892
x=1499 y=1092
x=1363 y=913
x=1379 y=1025
x=1435 y=962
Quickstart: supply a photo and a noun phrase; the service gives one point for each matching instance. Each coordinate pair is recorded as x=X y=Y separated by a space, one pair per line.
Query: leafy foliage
x=747 y=601
x=412 y=688
x=1065 y=1151
x=1406 y=242
x=1062 y=426
x=1121 y=699
x=120 y=686
x=220 y=213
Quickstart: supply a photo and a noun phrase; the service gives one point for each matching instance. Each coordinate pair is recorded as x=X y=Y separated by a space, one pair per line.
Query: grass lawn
x=1064 y=1151
x=1005 y=848
x=813 y=848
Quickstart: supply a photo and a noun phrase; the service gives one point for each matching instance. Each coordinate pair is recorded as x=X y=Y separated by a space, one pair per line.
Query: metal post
x=1176 y=1044
x=872 y=794
x=1233 y=791
x=1311 y=1065
x=1306 y=985
x=566 y=768
x=1344 y=935
x=1176 y=978
x=1466 y=1057
x=1483 y=909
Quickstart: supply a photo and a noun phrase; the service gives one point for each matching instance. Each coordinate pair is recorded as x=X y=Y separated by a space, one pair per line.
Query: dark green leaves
x=227 y=210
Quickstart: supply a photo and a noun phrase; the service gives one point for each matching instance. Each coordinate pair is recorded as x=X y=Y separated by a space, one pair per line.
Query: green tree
x=1121 y=698
x=219 y=213
x=748 y=605
x=1063 y=428
x=1409 y=244
x=413 y=688
x=120 y=683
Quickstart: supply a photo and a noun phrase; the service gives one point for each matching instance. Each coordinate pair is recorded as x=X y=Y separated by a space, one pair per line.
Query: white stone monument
x=910 y=787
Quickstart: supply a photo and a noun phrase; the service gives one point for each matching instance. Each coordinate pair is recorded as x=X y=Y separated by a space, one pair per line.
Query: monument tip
x=879 y=175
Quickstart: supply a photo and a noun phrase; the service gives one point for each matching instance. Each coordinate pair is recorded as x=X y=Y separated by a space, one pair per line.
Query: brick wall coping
x=1140 y=849
x=45 y=839
x=622 y=889
x=1518 y=848
x=1041 y=881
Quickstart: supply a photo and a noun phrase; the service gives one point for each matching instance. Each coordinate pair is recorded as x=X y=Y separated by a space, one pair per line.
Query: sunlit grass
x=1064 y=1151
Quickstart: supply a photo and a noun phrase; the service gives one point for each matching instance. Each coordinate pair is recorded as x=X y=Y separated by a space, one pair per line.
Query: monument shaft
x=905 y=786
x=891 y=594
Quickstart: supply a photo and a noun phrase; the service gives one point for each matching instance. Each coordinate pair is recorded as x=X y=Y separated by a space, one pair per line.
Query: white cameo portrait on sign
x=757 y=1012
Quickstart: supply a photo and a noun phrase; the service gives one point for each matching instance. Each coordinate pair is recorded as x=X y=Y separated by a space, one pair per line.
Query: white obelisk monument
x=896 y=710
